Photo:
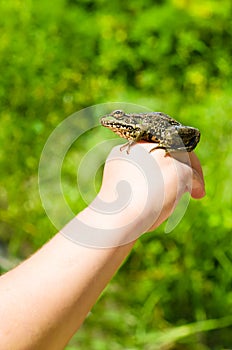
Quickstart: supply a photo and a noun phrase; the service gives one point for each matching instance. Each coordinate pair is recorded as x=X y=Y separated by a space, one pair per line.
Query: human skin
x=46 y=298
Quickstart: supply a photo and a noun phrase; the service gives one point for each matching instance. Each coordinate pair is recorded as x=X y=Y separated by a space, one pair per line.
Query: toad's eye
x=118 y=113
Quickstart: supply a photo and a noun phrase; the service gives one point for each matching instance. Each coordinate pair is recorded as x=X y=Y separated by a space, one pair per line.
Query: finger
x=198 y=186
x=190 y=159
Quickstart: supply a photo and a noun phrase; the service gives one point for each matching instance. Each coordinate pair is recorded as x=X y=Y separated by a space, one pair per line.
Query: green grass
x=174 y=291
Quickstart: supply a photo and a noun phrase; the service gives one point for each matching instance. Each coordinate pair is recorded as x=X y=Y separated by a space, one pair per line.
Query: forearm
x=46 y=298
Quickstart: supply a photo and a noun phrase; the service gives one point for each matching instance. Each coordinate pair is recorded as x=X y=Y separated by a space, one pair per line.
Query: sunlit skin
x=46 y=298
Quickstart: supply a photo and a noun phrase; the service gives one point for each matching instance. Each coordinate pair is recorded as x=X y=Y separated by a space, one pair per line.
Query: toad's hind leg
x=159 y=146
x=154 y=148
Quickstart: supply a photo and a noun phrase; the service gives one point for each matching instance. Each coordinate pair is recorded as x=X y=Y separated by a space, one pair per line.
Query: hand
x=157 y=182
x=138 y=192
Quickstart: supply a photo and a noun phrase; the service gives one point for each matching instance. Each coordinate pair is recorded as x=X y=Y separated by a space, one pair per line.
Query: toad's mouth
x=115 y=125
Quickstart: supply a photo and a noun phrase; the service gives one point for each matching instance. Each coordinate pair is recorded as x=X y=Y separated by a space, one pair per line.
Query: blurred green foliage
x=174 y=56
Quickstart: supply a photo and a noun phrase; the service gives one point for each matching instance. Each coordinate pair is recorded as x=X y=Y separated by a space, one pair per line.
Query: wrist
x=98 y=227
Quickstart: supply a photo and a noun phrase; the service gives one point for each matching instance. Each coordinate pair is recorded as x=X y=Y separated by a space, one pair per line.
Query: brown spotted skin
x=155 y=127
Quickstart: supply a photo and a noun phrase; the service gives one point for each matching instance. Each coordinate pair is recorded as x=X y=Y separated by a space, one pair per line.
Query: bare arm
x=45 y=299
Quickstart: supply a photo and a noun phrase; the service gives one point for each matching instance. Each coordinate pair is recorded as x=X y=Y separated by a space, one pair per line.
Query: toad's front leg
x=128 y=146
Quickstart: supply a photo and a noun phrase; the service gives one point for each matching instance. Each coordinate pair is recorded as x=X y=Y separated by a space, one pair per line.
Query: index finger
x=198 y=188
